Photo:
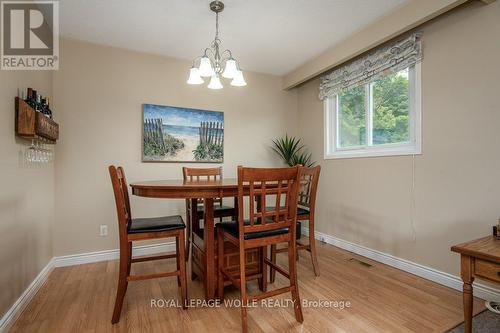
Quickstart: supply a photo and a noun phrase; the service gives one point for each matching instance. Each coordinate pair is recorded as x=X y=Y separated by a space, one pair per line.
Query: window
x=379 y=118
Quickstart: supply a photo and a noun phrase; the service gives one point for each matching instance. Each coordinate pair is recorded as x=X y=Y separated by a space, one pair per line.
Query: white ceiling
x=268 y=36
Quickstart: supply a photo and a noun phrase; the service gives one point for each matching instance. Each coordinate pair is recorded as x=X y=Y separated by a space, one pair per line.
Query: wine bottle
x=42 y=106
x=45 y=107
x=35 y=100
x=29 y=98
x=49 y=111
x=39 y=103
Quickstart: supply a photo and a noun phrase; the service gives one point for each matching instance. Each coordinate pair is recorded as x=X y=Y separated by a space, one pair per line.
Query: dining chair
x=220 y=210
x=305 y=212
x=137 y=229
x=262 y=228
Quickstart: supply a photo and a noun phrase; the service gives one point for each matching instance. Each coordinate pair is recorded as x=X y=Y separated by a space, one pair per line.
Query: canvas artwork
x=175 y=134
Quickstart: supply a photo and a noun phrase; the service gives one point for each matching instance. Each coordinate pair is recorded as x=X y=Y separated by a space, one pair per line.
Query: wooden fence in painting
x=153 y=133
x=211 y=133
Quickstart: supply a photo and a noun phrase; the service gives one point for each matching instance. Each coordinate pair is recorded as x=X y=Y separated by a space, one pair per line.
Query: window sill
x=373 y=153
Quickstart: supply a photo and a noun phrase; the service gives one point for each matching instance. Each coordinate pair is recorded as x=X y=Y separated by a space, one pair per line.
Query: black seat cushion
x=152 y=224
x=300 y=210
x=219 y=210
x=233 y=227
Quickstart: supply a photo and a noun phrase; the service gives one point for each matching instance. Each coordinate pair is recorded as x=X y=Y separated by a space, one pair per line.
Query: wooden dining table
x=194 y=189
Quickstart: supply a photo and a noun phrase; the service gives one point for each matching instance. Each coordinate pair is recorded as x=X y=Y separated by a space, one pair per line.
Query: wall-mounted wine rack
x=34 y=125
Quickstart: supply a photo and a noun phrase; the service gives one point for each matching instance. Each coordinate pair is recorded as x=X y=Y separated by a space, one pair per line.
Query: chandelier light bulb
x=215 y=83
x=239 y=80
x=230 y=70
x=194 y=76
x=206 y=69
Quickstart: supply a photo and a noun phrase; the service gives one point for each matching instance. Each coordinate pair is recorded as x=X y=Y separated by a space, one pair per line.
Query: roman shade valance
x=382 y=61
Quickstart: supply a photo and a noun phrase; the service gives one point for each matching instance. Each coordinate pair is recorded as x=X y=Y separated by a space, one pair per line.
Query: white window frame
x=413 y=147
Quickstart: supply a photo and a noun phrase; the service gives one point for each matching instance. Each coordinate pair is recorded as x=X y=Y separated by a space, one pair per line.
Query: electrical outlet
x=103 y=231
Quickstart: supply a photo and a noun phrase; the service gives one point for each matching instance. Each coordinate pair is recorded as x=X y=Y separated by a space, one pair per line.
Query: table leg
x=467 y=278
x=209 y=240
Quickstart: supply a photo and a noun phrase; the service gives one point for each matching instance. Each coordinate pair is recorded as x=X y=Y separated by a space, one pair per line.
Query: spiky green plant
x=303 y=158
x=286 y=148
x=292 y=152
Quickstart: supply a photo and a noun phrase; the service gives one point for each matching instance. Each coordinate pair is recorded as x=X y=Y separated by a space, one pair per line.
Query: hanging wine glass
x=31 y=152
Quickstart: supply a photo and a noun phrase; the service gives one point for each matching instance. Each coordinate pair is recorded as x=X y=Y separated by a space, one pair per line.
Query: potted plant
x=292 y=152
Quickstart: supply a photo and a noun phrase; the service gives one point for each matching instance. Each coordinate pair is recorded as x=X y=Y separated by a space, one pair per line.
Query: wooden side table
x=479 y=258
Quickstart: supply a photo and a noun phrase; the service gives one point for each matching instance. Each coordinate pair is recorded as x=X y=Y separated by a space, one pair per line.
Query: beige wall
x=26 y=196
x=457 y=178
x=98 y=94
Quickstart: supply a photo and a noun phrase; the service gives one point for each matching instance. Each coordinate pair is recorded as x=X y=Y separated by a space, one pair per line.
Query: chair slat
x=252 y=206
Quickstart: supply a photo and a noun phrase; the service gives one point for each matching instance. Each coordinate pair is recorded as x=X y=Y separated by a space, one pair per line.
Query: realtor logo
x=30 y=35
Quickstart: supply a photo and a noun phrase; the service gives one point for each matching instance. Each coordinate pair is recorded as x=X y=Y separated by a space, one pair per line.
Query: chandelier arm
x=195 y=60
x=238 y=65
x=230 y=53
x=208 y=51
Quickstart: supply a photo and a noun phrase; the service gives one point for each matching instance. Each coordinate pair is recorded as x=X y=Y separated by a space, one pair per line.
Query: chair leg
x=263 y=269
x=125 y=262
x=189 y=235
x=293 y=280
x=272 y=271
x=177 y=259
x=182 y=270
x=129 y=266
x=243 y=289
x=220 y=263
x=312 y=247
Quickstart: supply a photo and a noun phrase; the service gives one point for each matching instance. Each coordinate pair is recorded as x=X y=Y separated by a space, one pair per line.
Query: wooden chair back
x=264 y=185
x=309 y=178
x=197 y=174
x=203 y=174
x=121 y=198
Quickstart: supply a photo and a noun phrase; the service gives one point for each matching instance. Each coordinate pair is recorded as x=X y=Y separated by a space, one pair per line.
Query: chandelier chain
x=216 y=25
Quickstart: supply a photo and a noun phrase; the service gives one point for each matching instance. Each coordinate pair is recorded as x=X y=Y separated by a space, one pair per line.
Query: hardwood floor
x=80 y=299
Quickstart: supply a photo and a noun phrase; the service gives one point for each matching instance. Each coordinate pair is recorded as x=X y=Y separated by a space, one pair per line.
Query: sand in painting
x=186 y=153
x=189 y=136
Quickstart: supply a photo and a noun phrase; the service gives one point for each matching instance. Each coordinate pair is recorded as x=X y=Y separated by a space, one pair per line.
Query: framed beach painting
x=175 y=134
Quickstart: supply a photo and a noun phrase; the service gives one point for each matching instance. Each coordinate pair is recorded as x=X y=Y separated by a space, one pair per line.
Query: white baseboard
x=446 y=279
x=76 y=259
x=90 y=257
x=15 y=310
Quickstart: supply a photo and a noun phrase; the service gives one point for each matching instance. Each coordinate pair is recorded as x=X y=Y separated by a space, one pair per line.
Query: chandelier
x=214 y=63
